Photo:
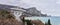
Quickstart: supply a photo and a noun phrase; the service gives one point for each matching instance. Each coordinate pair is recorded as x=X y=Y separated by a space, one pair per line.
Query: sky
x=50 y=7
x=53 y=20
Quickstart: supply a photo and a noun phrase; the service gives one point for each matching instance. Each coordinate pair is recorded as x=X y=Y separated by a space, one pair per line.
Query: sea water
x=55 y=20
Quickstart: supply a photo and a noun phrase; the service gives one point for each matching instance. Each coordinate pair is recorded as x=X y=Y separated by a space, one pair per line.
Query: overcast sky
x=50 y=7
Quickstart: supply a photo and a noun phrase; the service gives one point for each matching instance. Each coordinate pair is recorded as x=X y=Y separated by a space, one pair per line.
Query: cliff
x=8 y=19
x=33 y=12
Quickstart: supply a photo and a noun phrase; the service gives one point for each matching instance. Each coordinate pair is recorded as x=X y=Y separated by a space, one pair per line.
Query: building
x=32 y=12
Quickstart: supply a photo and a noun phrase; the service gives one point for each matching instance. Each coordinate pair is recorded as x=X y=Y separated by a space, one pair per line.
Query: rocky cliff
x=8 y=19
x=33 y=12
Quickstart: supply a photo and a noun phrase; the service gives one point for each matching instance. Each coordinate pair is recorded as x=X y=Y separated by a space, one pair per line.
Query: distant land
x=29 y=12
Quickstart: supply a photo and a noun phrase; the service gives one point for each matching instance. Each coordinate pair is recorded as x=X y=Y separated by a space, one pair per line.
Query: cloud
x=10 y=2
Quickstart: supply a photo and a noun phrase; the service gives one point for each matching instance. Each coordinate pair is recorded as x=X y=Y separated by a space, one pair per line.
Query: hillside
x=7 y=19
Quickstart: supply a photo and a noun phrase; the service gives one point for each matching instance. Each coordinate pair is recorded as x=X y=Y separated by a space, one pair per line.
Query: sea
x=54 y=20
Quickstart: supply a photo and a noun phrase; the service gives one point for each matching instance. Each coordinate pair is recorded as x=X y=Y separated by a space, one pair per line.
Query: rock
x=9 y=22
x=8 y=19
x=32 y=12
x=37 y=22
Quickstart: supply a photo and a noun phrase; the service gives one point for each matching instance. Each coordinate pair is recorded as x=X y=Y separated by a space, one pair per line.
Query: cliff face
x=7 y=19
x=32 y=12
x=37 y=22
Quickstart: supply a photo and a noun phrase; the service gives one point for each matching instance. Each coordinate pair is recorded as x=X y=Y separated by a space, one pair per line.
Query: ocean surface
x=55 y=20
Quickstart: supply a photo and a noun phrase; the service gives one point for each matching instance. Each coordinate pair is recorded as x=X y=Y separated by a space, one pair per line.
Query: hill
x=7 y=19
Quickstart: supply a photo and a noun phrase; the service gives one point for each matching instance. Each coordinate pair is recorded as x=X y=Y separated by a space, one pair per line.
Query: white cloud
x=10 y=2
